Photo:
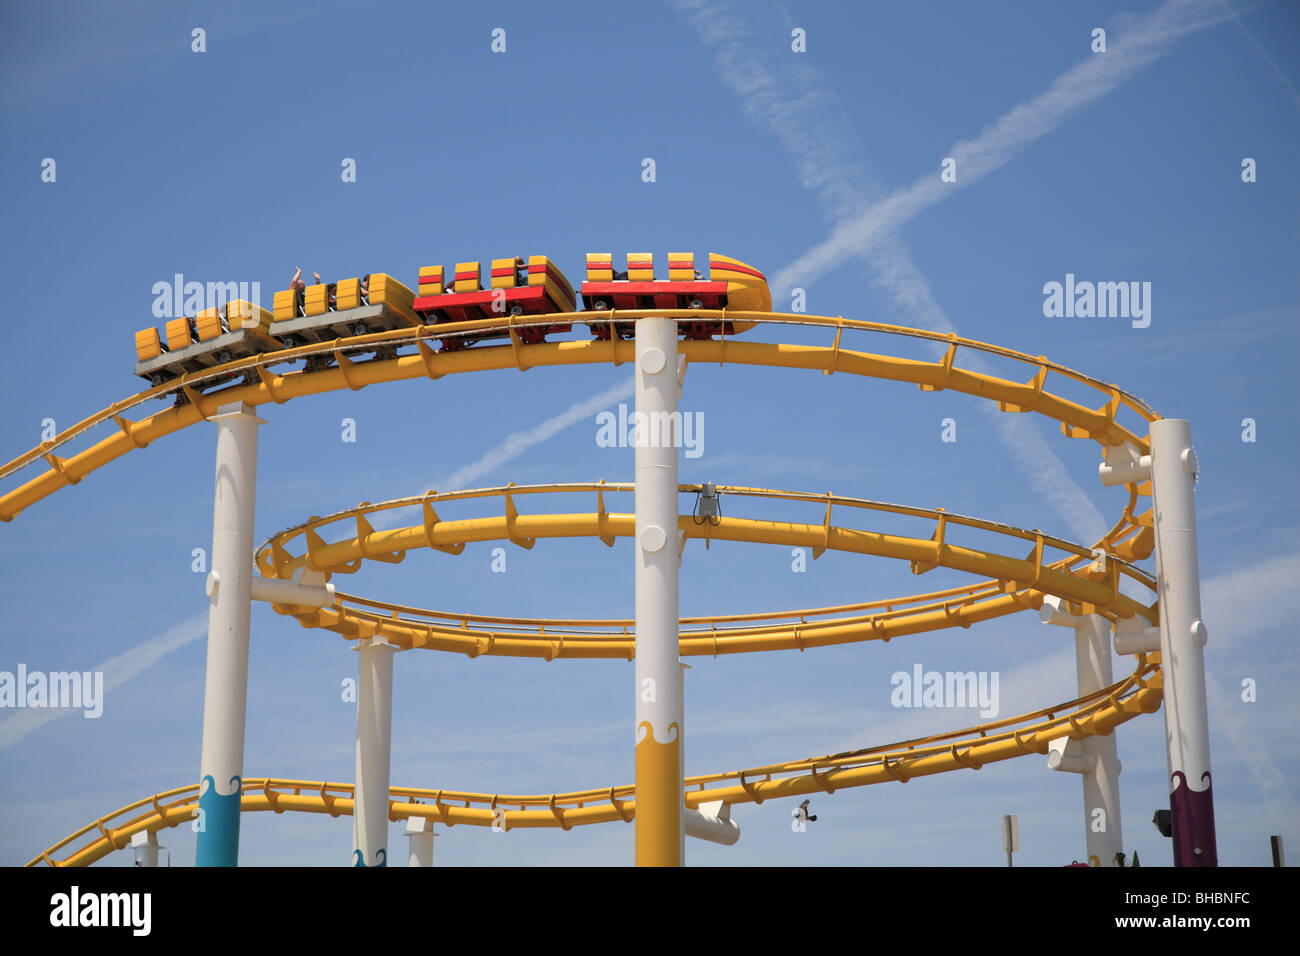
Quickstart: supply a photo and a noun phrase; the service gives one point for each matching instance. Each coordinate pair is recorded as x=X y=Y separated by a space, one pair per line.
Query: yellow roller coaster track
x=970 y=749
x=1015 y=582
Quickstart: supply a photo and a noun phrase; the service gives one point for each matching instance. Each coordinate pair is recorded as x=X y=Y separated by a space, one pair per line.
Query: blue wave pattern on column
x=381 y=853
x=218 y=841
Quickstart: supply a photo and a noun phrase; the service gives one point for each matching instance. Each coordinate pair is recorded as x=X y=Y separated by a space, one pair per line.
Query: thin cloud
x=816 y=132
x=1134 y=43
x=117 y=671
x=517 y=443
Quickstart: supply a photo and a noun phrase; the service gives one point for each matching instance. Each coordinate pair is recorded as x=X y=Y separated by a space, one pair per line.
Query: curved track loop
x=971 y=748
x=1017 y=583
x=262 y=386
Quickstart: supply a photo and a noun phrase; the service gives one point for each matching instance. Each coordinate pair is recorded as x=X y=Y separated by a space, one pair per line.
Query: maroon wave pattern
x=1193 y=822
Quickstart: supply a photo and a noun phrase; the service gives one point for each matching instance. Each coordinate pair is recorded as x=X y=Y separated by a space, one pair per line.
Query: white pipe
x=275 y=591
x=1123 y=465
x=1182 y=642
x=1133 y=636
x=146 y=846
x=712 y=822
x=374 y=753
x=660 y=827
x=225 y=690
x=420 y=831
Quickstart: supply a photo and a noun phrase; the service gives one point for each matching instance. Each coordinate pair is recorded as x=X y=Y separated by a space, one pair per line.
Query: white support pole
x=374 y=752
x=1095 y=758
x=420 y=831
x=146 y=846
x=712 y=822
x=275 y=591
x=1182 y=642
x=225 y=692
x=660 y=806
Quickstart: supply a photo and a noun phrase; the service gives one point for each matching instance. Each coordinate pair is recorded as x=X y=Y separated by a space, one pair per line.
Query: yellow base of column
x=659 y=806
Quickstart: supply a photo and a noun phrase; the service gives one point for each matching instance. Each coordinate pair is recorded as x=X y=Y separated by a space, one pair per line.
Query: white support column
x=1182 y=642
x=146 y=846
x=660 y=806
x=420 y=831
x=1096 y=758
x=225 y=692
x=374 y=752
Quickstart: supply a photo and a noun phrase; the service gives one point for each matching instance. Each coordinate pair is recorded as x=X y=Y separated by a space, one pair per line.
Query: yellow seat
x=431 y=280
x=147 y=344
x=505 y=272
x=542 y=271
x=285 y=305
x=242 y=314
x=348 y=294
x=681 y=267
x=209 y=324
x=600 y=267
x=385 y=290
x=180 y=334
x=640 y=267
x=316 y=299
x=467 y=278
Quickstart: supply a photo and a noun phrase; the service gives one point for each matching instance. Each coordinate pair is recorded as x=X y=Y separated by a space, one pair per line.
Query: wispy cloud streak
x=117 y=671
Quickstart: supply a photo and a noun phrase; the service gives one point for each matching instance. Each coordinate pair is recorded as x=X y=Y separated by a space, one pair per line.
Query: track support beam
x=660 y=802
x=1182 y=642
x=374 y=753
x=1095 y=758
x=420 y=832
x=225 y=691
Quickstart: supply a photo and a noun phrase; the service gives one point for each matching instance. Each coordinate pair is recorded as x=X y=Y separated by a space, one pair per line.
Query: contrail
x=515 y=445
x=1295 y=97
x=815 y=130
x=1134 y=43
x=117 y=671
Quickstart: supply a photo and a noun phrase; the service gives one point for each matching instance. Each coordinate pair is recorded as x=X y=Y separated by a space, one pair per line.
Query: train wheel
x=359 y=329
x=696 y=304
x=289 y=342
x=222 y=357
x=599 y=305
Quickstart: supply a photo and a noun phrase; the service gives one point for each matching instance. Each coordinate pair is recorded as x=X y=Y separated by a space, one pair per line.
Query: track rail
x=970 y=748
x=262 y=386
x=1016 y=583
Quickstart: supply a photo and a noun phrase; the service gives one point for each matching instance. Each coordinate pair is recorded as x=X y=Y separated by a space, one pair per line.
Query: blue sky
x=820 y=168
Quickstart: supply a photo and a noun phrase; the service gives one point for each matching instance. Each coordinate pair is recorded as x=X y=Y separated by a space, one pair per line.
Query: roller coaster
x=217 y=366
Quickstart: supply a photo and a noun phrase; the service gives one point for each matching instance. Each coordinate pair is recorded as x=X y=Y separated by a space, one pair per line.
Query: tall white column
x=374 y=753
x=420 y=831
x=1182 y=642
x=660 y=827
x=1096 y=758
x=1105 y=831
x=225 y=691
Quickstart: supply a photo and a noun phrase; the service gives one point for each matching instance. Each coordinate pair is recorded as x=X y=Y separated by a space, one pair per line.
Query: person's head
x=298 y=285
